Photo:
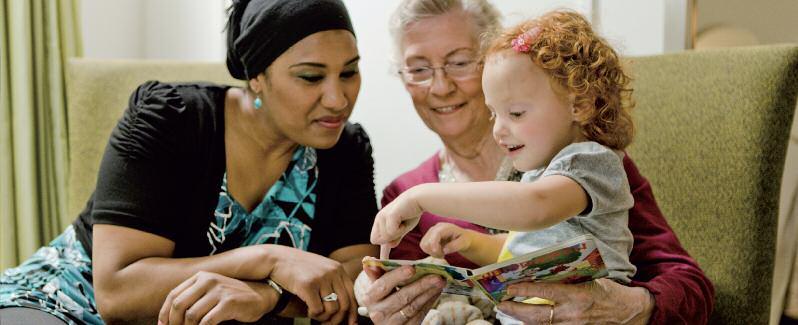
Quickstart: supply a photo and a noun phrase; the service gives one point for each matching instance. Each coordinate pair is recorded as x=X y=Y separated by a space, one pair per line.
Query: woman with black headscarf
x=220 y=203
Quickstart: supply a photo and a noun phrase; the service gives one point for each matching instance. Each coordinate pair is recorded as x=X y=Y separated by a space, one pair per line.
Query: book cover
x=573 y=261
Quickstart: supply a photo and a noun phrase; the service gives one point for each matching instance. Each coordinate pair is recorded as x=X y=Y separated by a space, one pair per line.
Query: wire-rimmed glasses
x=457 y=70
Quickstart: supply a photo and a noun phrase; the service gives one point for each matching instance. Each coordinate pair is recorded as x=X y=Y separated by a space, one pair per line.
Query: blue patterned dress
x=57 y=279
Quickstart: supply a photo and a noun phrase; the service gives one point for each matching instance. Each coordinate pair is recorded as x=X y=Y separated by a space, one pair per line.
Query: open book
x=573 y=261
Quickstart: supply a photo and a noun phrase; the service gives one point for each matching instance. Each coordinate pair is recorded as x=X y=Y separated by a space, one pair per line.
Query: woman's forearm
x=351 y=257
x=139 y=289
x=353 y=267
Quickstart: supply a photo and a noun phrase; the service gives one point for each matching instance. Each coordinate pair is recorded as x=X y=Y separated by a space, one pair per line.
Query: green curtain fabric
x=36 y=38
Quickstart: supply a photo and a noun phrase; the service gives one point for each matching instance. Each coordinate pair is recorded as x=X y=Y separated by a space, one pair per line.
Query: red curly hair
x=581 y=64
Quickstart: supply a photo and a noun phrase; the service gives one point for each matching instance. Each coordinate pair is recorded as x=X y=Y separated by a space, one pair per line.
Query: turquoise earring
x=258 y=103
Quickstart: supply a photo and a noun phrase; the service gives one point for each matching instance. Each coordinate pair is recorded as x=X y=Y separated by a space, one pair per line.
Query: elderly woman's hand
x=406 y=306
x=597 y=302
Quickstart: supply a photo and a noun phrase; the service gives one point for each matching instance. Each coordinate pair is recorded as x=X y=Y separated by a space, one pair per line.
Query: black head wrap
x=259 y=31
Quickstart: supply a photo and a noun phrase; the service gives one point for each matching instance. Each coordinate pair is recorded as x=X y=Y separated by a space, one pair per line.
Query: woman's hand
x=395 y=220
x=406 y=306
x=446 y=238
x=312 y=277
x=210 y=298
x=601 y=301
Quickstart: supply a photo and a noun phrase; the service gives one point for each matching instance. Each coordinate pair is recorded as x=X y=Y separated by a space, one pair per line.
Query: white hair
x=484 y=16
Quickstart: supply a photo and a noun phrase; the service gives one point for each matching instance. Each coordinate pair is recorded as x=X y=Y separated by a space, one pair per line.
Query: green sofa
x=712 y=133
x=713 y=130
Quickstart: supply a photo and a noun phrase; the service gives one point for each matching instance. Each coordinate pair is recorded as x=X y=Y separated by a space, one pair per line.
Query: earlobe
x=254 y=84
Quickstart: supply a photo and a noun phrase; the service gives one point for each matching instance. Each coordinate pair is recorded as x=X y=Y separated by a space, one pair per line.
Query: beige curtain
x=36 y=38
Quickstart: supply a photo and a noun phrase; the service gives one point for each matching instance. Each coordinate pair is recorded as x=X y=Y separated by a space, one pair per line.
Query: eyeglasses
x=422 y=75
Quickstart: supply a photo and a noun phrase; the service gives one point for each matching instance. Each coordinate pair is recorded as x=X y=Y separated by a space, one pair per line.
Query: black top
x=164 y=164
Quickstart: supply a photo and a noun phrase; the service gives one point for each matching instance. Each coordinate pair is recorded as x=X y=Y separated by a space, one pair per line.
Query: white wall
x=516 y=11
x=154 y=29
x=112 y=29
x=191 y=30
x=184 y=29
x=677 y=25
x=648 y=27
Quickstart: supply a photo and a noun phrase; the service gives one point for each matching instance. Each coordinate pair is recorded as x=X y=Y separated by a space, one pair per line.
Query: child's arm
x=446 y=238
x=500 y=205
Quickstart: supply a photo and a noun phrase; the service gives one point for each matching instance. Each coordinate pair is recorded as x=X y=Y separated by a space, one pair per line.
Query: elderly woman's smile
x=448 y=109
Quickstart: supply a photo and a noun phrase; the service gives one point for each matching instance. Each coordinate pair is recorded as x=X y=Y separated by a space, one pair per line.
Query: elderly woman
x=210 y=198
x=439 y=53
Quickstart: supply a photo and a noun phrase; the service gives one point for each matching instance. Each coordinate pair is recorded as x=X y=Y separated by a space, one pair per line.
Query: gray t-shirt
x=599 y=170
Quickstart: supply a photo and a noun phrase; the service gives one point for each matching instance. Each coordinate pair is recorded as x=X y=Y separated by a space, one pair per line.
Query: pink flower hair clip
x=523 y=43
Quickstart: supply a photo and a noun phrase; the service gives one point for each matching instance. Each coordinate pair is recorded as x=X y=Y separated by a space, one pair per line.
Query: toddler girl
x=561 y=102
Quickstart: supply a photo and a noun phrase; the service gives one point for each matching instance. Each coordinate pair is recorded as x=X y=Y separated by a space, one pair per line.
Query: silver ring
x=403 y=314
x=330 y=297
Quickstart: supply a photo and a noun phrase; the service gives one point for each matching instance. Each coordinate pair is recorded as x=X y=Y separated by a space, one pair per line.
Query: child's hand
x=395 y=220
x=445 y=238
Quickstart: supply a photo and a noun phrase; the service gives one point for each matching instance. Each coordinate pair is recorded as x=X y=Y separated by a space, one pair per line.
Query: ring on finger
x=330 y=297
x=402 y=312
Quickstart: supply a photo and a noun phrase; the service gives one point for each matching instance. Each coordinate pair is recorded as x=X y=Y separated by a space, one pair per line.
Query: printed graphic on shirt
x=282 y=217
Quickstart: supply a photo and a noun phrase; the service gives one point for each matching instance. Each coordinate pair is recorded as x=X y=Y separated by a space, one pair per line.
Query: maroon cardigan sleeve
x=683 y=293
